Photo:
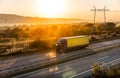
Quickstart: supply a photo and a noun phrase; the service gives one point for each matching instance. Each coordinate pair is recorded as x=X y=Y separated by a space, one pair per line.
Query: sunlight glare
x=51 y=54
x=50 y=8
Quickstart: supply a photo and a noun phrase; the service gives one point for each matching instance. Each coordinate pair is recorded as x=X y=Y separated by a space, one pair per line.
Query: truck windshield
x=59 y=41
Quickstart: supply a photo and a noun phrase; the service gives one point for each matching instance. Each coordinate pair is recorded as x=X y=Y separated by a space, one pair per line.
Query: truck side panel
x=72 y=42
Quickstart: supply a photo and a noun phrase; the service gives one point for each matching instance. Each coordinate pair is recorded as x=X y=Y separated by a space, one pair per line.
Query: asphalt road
x=77 y=68
x=24 y=60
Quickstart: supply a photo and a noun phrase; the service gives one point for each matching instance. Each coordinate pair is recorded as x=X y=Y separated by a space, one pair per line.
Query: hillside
x=13 y=19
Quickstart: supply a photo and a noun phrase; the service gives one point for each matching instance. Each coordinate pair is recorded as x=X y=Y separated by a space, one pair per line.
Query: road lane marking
x=91 y=69
x=80 y=73
x=63 y=70
x=111 y=61
x=103 y=57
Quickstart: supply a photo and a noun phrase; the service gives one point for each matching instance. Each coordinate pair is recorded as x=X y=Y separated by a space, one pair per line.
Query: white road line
x=111 y=61
x=103 y=57
x=80 y=73
x=91 y=69
x=63 y=70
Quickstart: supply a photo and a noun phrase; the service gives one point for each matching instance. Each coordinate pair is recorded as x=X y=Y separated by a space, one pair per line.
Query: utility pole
x=104 y=11
x=94 y=18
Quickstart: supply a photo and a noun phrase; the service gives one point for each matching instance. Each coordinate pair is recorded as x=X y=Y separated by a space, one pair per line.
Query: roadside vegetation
x=105 y=71
x=45 y=36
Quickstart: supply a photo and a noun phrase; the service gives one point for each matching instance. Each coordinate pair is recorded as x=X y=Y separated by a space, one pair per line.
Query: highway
x=78 y=68
x=30 y=59
x=8 y=65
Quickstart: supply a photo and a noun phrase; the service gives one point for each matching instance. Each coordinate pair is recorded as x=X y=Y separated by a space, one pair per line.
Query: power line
x=114 y=11
x=104 y=11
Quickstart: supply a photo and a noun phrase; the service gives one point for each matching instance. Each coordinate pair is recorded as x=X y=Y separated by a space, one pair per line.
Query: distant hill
x=13 y=19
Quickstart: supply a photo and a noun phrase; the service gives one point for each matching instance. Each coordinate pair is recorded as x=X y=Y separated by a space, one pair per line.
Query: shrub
x=97 y=70
x=40 y=45
x=105 y=71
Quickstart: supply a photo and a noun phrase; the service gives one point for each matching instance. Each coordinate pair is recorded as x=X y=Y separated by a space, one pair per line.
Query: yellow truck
x=66 y=44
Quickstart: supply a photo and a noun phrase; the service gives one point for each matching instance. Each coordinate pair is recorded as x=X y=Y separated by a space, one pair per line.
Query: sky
x=61 y=8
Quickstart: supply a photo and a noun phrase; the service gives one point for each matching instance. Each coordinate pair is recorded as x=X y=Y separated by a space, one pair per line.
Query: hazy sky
x=62 y=8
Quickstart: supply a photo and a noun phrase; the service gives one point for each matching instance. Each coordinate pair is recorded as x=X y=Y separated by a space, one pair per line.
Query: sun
x=51 y=8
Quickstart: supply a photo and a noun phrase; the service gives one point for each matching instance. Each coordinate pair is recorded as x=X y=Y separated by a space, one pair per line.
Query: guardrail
x=47 y=62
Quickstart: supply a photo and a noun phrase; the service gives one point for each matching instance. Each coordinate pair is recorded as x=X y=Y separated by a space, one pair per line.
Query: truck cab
x=61 y=45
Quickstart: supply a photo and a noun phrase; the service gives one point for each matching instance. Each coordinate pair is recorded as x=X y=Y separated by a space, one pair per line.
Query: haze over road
x=31 y=59
x=76 y=68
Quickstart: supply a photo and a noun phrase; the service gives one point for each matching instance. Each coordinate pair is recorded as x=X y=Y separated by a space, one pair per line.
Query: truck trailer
x=66 y=44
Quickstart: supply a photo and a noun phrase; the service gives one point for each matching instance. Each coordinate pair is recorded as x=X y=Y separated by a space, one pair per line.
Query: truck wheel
x=61 y=50
x=58 y=51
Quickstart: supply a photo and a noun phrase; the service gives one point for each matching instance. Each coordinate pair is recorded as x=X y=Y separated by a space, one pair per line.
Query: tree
x=105 y=71
x=8 y=32
x=89 y=28
x=110 y=27
x=96 y=70
x=40 y=45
